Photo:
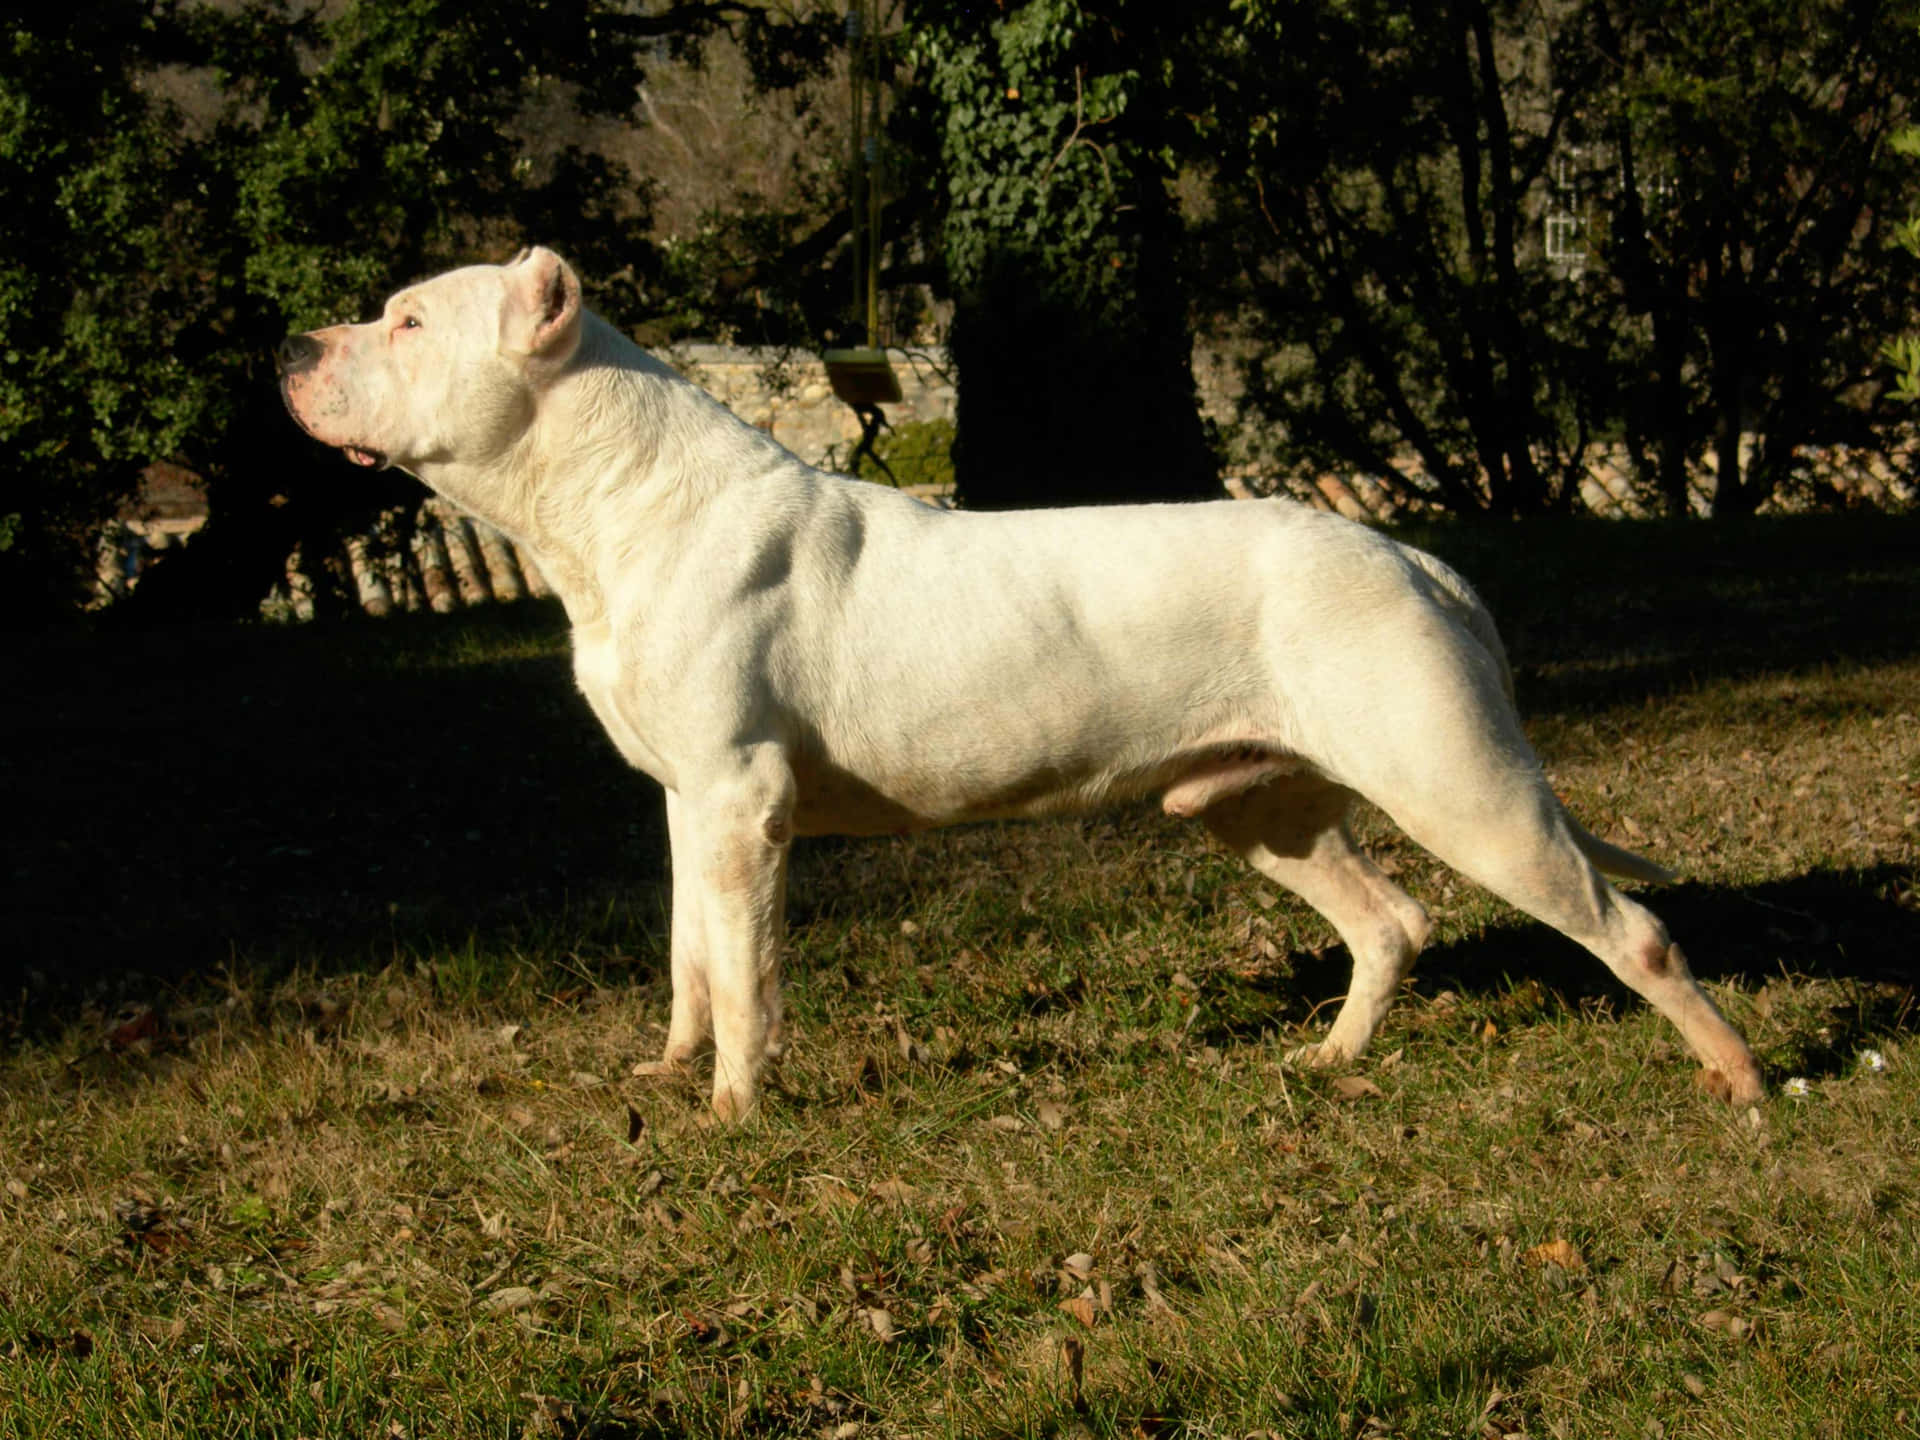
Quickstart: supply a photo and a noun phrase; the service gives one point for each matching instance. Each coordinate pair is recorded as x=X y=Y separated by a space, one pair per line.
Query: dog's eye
x=412 y=322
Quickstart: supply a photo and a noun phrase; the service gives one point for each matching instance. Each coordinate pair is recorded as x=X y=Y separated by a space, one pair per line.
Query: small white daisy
x=1873 y=1060
x=1797 y=1087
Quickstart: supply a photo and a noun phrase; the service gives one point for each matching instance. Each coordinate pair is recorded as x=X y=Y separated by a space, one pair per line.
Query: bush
x=919 y=452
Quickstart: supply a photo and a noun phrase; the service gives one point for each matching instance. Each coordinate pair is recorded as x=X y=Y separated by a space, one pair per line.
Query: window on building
x=1565 y=221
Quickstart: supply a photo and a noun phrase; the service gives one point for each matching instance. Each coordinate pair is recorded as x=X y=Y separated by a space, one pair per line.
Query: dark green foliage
x=186 y=185
x=356 y=153
x=1376 y=170
x=918 y=452
x=1746 y=239
x=1384 y=179
x=1352 y=193
x=97 y=314
x=1056 y=126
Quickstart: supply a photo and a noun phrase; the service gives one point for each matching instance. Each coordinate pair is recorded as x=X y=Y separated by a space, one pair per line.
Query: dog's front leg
x=690 y=1027
x=735 y=836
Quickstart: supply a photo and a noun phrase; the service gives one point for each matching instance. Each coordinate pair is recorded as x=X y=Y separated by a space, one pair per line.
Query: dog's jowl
x=750 y=631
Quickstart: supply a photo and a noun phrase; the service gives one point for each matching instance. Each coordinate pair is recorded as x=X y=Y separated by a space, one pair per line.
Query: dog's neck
x=614 y=421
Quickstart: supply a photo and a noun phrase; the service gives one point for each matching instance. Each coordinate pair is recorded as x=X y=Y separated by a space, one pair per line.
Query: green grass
x=333 y=949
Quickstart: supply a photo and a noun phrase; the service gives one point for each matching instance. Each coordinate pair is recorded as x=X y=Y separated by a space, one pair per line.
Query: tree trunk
x=1057 y=406
x=1730 y=333
x=1670 y=407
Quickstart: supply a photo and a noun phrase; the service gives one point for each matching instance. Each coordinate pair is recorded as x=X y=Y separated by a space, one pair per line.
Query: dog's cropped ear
x=543 y=306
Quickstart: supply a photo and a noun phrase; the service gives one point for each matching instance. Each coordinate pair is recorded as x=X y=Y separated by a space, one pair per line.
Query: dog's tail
x=1612 y=860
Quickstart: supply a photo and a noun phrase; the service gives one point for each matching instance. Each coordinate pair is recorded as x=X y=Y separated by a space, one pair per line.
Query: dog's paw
x=1317 y=1056
x=1743 y=1087
x=733 y=1104
x=660 y=1069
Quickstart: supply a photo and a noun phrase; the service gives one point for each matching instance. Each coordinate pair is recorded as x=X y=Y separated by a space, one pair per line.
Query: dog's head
x=449 y=374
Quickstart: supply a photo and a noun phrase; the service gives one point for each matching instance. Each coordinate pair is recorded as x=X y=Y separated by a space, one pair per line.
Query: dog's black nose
x=297 y=353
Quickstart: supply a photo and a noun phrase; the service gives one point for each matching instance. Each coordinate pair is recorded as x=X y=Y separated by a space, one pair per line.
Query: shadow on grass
x=1598 y=613
x=1860 y=927
x=319 y=797
x=1825 y=924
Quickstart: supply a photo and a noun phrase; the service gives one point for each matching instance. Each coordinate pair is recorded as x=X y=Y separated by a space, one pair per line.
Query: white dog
x=795 y=653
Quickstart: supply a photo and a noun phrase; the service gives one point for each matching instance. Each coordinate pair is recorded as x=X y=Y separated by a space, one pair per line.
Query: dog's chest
x=597 y=671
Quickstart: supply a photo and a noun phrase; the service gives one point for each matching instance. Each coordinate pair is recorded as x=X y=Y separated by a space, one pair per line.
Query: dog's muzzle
x=297 y=353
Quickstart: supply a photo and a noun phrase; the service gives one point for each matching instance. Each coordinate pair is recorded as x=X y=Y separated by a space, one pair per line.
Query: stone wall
x=785 y=392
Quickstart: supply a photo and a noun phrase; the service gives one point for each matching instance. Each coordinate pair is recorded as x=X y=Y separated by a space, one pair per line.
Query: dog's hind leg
x=1439 y=748
x=1509 y=832
x=1294 y=831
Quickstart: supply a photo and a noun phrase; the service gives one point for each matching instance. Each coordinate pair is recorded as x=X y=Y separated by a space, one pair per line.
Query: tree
x=1903 y=352
x=352 y=153
x=1356 y=191
x=93 y=301
x=1755 y=186
x=1055 y=127
x=1379 y=172
x=305 y=162
x=1721 y=170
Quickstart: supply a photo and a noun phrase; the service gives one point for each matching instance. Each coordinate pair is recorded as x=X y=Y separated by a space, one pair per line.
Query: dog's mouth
x=364 y=456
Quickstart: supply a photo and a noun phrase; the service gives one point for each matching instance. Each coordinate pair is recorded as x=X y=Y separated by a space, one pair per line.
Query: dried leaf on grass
x=911 y=1050
x=133 y=1028
x=492 y=1226
x=1149 y=1277
x=1080 y=1307
x=830 y=1194
x=1725 y=1322
x=164 y=1331
x=1355 y=1087
x=1563 y=1253
x=507 y=1300
x=153 y=1226
x=894 y=1191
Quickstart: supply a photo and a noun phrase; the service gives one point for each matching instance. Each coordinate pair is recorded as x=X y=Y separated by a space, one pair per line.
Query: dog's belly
x=834 y=800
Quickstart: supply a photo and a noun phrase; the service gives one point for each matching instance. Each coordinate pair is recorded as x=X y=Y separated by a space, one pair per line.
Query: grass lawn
x=328 y=952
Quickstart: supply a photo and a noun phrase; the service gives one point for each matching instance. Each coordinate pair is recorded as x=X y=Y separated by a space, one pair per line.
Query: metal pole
x=856 y=173
x=873 y=179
